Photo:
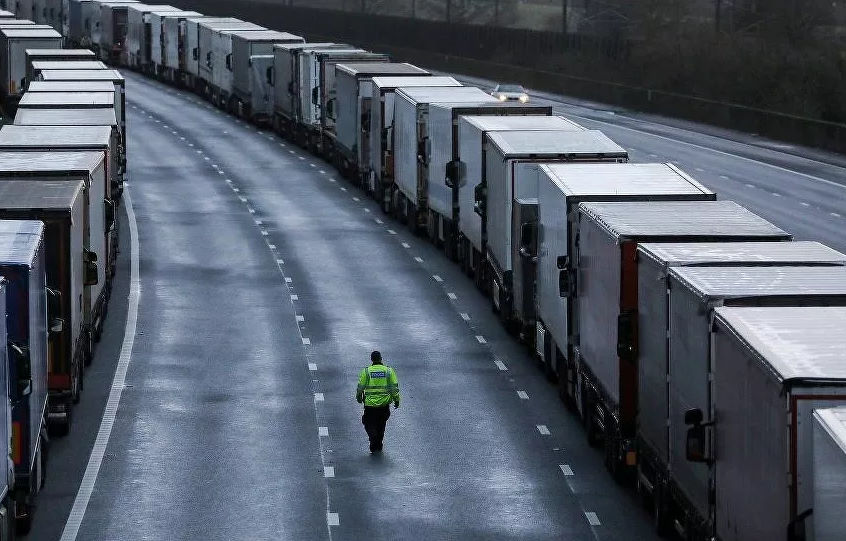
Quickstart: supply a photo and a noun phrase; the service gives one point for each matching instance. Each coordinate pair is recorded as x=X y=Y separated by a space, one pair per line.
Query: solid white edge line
x=95 y=460
x=592 y=518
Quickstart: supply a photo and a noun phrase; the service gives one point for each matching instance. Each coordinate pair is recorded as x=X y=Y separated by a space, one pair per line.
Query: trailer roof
x=797 y=343
x=709 y=283
x=6 y=14
x=28 y=32
x=82 y=75
x=363 y=69
x=14 y=163
x=20 y=241
x=48 y=195
x=351 y=53
x=622 y=179
x=147 y=8
x=681 y=219
x=80 y=53
x=679 y=254
x=71 y=86
x=178 y=14
x=266 y=35
x=206 y=19
x=68 y=65
x=833 y=421
x=521 y=122
x=221 y=26
x=20 y=137
x=446 y=94
x=566 y=143
x=16 y=22
x=70 y=100
x=101 y=116
x=392 y=82
x=319 y=45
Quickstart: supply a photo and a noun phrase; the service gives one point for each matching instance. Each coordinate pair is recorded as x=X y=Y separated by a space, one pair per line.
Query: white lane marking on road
x=775 y=194
x=378 y=221
x=181 y=138
x=332 y=519
x=804 y=203
x=301 y=157
x=343 y=189
x=101 y=442
x=724 y=177
x=328 y=471
x=419 y=259
x=190 y=144
x=465 y=316
x=356 y=199
x=264 y=233
x=322 y=172
x=323 y=431
x=452 y=296
x=306 y=341
x=700 y=170
x=300 y=319
x=331 y=180
x=251 y=210
x=392 y=232
x=836 y=215
x=295 y=297
x=312 y=165
x=271 y=246
x=406 y=245
x=523 y=395
x=228 y=180
x=288 y=280
x=291 y=151
x=259 y=222
x=592 y=518
x=367 y=210
x=566 y=469
x=220 y=172
x=312 y=367
x=543 y=430
x=748 y=185
x=280 y=261
x=501 y=365
x=318 y=397
x=437 y=278
x=481 y=339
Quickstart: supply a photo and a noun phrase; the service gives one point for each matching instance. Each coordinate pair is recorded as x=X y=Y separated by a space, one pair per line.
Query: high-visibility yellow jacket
x=378 y=386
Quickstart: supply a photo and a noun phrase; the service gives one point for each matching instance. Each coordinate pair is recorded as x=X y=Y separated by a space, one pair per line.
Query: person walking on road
x=377 y=388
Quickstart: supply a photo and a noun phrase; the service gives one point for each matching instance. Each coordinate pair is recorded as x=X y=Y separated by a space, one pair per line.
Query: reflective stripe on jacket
x=378 y=386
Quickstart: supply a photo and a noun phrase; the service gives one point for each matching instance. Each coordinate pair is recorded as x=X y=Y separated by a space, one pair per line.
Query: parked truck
x=136 y=49
x=113 y=19
x=191 y=52
x=13 y=45
x=771 y=368
x=665 y=311
x=92 y=11
x=176 y=53
x=470 y=163
x=34 y=55
x=60 y=205
x=350 y=108
x=602 y=375
x=160 y=41
x=829 y=473
x=22 y=265
x=381 y=167
x=207 y=61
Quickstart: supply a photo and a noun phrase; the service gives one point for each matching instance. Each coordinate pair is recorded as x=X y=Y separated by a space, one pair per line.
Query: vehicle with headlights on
x=510 y=93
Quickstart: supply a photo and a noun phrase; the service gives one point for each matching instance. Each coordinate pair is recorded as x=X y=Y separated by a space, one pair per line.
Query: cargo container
x=287 y=80
x=381 y=123
x=71 y=86
x=49 y=12
x=323 y=90
x=829 y=473
x=6 y=14
x=472 y=131
x=40 y=55
x=67 y=100
x=60 y=205
x=351 y=110
x=149 y=26
x=6 y=481
x=260 y=108
x=91 y=167
x=207 y=31
x=80 y=138
x=167 y=40
x=443 y=166
x=13 y=45
x=37 y=66
x=771 y=368
x=113 y=19
x=412 y=144
x=9 y=23
x=602 y=377
x=91 y=16
x=22 y=265
x=136 y=50
x=191 y=53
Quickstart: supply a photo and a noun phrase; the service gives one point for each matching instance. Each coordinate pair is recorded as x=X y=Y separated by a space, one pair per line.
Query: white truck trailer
x=161 y=40
x=14 y=43
x=829 y=473
x=113 y=19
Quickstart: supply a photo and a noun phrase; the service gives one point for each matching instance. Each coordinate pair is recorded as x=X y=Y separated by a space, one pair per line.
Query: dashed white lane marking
x=318 y=397
x=700 y=170
x=259 y=222
x=300 y=319
x=301 y=157
x=332 y=519
x=228 y=180
x=356 y=199
x=190 y=144
x=378 y=221
x=836 y=215
x=220 y=172
x=523 y=395
x=566 y=469
x=331 y=180
x=367 y=210
x=653 y=155
x=343 y=189
x=328 y=471
x=392 y=232
x=251 y=210
x=501 y=365
x=419 y=259
x=181 y=138
x=592 y=519
x=322 y=172
x=323 y=431
x=481 y=339
x=724 y=177
x=271 y=246
x=288 y=280
x=306 y=341
x=98 y=451
x=295 y=297
x=804 y=203
x=291 y=151
x=452 y=296
x=280 y=262
x=750 y=185
x=437 y=278
x=312 y=165
x=264 y=233
x=465 y=316
x=312 y=367
x=406 y=245
x=776 y=194
x=544 y=431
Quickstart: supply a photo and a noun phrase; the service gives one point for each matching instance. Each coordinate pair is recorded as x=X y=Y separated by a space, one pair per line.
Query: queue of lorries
x=701 y=346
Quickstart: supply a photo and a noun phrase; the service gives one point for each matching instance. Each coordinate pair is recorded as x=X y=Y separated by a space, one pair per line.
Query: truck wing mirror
x=423 y=150
x=19 y=355
x=627 y=335
x=330 y=108
x=480 y=197
x=315 y=96
x=90 y=262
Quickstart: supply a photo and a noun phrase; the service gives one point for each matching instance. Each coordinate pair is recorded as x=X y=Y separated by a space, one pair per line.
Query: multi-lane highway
x=265 y=280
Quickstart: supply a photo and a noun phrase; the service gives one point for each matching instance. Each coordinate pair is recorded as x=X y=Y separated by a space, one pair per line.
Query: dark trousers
x=374 y=421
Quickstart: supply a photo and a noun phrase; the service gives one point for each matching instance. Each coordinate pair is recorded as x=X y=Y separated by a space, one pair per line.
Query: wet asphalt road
x=265 y=282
